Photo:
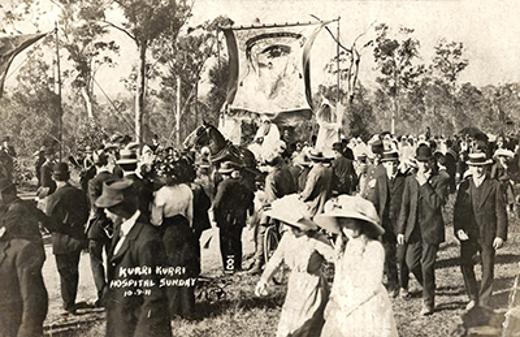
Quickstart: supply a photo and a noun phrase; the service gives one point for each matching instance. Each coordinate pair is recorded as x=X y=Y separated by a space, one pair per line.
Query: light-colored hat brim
x=126 y=161
x=484 y=163
x=104 y=202
x=331 y=221
x=226 y=170
x=302 y=224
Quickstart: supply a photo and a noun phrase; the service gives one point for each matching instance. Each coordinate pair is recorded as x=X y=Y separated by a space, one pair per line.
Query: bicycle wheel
x=271 y=240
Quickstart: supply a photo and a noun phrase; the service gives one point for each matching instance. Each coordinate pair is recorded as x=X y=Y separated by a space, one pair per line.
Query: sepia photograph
x=259 y=168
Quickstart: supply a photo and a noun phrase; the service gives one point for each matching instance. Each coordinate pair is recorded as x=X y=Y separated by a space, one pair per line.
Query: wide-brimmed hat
x=114 y=192
x=377 y=147
x=228 y=167
x=504 y=153
x=292 y=211
x=348 y=207
x=5 y=183
x=318 y=156
x=423 y=153
x=391 y=155
x=478 y=159
x=127 y=157
x=61 y=172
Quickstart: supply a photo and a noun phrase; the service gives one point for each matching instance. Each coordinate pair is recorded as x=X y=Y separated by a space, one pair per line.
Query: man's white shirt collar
x=479 y=181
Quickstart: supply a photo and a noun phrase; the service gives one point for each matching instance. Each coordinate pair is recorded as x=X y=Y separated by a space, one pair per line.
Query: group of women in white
x=357 y=305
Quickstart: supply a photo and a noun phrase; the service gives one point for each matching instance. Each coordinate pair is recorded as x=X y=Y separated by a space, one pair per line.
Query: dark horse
x=221 y=149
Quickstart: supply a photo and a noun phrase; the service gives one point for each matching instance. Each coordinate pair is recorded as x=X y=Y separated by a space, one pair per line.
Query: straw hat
x=228 y=167
x=478 y=159
x=318 y=156
x=348 y=207
x=391 y=155
x=127 y=157
x=292 y=211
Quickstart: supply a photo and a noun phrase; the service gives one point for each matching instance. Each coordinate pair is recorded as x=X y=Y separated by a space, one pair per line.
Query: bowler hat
x=478 y=159
x=113 y=193
x=391 y=155
x=61 y=172
x=127 y=157
x=423 y=153
x=348 y=207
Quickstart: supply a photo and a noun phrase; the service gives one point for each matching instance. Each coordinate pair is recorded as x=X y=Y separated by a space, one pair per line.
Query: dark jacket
x=68 y=206
x=279 y=183
x=144 y=190
x=318 y=188
x=97 y=226
x=23 y=297
x=345 y=177
x=201 y=205
x=422 y=207
x=481 y=212
x=232 y=200
x=299 y=174
x=144 y=312
x=387 y=201
x=46 y=176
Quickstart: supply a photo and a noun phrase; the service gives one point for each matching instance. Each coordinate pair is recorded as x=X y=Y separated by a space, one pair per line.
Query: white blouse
x=170 y=201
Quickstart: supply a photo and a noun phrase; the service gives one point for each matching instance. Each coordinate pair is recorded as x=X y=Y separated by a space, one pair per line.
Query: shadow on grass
x=500 y=259
x=451 y=306
x=213 y=309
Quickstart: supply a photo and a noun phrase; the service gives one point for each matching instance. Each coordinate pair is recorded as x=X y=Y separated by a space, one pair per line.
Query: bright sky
x=490 y=31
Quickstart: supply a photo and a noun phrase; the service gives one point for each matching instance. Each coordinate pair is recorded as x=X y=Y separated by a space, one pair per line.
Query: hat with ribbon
x=114 y=192
x=391 y=155
x=478 y=159
x=348 y=207
x=318 y=156
x=292 y=211
x=127 y=157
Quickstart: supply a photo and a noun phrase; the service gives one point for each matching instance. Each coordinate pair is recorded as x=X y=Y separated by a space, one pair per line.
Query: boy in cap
x=141 y=309
x=232 y=200
x=480 y=224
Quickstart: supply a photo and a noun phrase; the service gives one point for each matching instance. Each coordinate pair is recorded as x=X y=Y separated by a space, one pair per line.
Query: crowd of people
x=374 y=209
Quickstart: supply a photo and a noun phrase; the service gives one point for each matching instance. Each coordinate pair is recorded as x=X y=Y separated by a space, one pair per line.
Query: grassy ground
x=241 y=314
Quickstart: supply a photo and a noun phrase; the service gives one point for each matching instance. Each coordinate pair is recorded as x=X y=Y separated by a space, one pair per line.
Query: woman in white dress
x=303 y=251
x=359 y=305
x=328 y=133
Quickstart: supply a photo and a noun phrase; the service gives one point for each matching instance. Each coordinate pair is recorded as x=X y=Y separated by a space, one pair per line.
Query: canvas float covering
x=270 y=72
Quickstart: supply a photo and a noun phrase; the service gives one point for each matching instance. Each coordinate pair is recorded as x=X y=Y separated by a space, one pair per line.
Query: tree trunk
x=178 y=113
x=139 y=96
x=88 y=102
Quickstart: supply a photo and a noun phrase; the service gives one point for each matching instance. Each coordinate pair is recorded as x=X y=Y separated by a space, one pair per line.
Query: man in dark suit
x=68 y=205
x=99 y=229
x=46 y=169
x=344 y=175
x=480 y=224
x=374 y=170
x=141 y=308
x=23 y=297
x=420 y=222
x=387 y=197
x=279 y=182
x=230 y=206
x=318 y=188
